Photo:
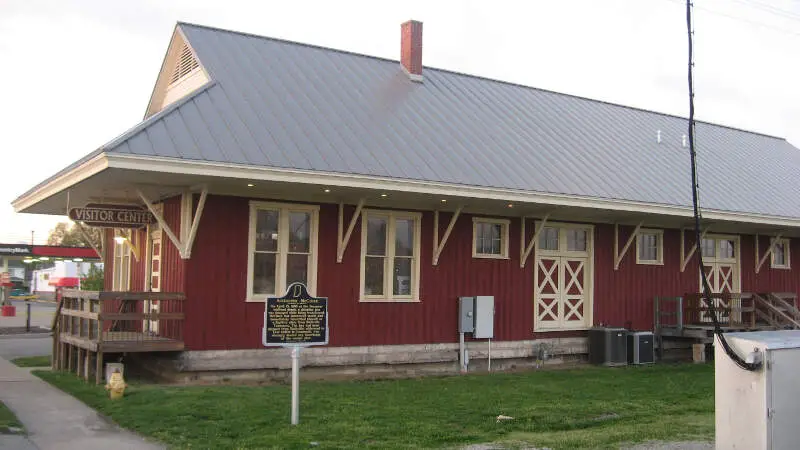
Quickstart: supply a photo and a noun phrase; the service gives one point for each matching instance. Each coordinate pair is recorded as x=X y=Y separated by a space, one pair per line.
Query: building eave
x=227 y=170
x=60 y=182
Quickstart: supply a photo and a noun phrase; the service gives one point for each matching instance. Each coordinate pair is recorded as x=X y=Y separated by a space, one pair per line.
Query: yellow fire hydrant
x=116 y=385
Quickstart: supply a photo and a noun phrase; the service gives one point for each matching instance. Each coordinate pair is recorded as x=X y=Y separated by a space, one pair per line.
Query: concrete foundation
x=364 y=362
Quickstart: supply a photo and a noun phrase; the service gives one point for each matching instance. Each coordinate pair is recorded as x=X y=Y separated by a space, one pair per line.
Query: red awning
x=65 y=252
x=64 y=282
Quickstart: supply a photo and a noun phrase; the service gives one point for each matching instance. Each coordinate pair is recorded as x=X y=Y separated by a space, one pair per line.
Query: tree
x=93 y=281
x=70 y=235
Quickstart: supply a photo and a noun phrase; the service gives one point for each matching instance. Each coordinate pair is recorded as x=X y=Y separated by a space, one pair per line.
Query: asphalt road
x=14 y=346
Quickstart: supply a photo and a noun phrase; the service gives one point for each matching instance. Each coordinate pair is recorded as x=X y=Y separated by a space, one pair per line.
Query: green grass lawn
x=7 y=420
x=580 y=408
x=32 y=361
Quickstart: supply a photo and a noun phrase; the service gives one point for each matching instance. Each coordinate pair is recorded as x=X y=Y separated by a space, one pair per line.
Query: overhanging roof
x=282 y=109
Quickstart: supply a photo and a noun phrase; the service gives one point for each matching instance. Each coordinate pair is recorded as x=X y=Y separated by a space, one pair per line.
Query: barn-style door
x=563 y=278
x=721 y=262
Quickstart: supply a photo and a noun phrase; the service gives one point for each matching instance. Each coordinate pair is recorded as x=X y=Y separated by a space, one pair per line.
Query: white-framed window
x=780 y=255
x=489 y=238
x=650 y=247
x=122 y=267
x=548 y=239
x=390 y=251
x=282 y=248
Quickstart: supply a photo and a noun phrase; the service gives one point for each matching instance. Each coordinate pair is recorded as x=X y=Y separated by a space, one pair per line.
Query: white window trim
x=659 y=261
x=562 y=239
x=280 y=277
x=388 y=296
x=503 y=237
x=120 y=281
x=787 y=253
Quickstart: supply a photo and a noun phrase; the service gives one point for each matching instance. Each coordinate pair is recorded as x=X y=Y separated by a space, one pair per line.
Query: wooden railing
x=733 y=309
x=121 y=321
x=743 y=311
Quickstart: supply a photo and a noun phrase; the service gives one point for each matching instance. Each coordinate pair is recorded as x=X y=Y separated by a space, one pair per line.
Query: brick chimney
x=411 y=49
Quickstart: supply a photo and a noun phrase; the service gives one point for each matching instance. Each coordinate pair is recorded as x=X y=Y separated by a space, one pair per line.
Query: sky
x=76 y=73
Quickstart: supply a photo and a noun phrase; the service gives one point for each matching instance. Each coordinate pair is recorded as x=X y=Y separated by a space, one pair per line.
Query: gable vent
x=185 y=64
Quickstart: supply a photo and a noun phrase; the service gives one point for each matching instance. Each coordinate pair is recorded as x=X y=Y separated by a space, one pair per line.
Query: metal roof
x=281 y=104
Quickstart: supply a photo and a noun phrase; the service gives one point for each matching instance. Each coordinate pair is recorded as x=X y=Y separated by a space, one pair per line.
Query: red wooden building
x=393 y=189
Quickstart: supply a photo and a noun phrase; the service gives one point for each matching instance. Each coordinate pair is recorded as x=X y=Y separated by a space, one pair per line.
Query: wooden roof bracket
x=344 y=237
x=618 y=255
x=98 y=247
x=760 y=261
x=128 y=235
x=161 y=222
x=189 y=243
x=686 y=257
x=184 y=246
x=439 y=246
x=527 y=247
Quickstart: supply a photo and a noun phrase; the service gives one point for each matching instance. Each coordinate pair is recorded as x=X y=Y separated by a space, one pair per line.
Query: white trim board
x=227 y=170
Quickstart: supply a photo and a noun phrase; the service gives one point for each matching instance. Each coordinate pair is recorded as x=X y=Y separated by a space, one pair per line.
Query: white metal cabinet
x=759 y=410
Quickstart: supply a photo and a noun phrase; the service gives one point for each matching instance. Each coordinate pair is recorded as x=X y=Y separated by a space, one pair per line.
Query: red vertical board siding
x=139 y=266
x=217 y=316
x=108 y=260
x=624 y=297
x=172 y=266
x=768 y=279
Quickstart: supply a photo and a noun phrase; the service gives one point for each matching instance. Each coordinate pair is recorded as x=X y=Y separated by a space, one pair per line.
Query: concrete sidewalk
x=56 y=420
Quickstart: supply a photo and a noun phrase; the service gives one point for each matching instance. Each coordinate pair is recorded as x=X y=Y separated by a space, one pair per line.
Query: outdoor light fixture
x=444 y=200
x=44 y=258
x=119 y=239
x=250 y=184
x=510 y=205
x=327 y=190
x=77 y=259
x=27 y=261
x=384 y=195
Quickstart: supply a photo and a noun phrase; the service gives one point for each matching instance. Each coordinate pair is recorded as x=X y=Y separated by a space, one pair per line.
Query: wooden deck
x=690 y=317
x=90 y=324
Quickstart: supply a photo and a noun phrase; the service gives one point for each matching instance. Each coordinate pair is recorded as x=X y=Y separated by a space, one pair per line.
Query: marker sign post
x=295 y=320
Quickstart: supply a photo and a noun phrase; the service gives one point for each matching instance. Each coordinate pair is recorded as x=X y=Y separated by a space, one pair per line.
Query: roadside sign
x=112 y=216
x=295 y=320
x=5 y=278
x=16 y=250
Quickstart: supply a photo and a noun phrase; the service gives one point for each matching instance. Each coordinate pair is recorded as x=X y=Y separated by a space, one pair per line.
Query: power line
x=770 y=9
x=742 y=19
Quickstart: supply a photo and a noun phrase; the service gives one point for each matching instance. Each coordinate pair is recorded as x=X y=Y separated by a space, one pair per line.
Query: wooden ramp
x=90 y=324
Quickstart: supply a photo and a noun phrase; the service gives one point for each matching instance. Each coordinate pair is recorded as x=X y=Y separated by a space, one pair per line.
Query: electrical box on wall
x=476 y=316
x=466 y=314
x=484 y=317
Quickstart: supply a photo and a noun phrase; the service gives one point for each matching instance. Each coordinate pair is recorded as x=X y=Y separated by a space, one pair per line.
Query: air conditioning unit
x=608 y=346
x=640 y=348
x=758 y=410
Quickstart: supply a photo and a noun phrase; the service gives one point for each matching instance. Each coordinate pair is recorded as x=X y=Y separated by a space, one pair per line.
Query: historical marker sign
x=112 y=216
x=296 y=319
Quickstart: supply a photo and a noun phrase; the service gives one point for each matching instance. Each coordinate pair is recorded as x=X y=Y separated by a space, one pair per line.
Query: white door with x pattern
x=563 y=278
x=721 y=262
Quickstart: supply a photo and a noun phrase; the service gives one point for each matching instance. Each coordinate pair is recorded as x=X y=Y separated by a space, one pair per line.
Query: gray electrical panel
x=466 y=314
x=476 y=316
x=484 y=317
